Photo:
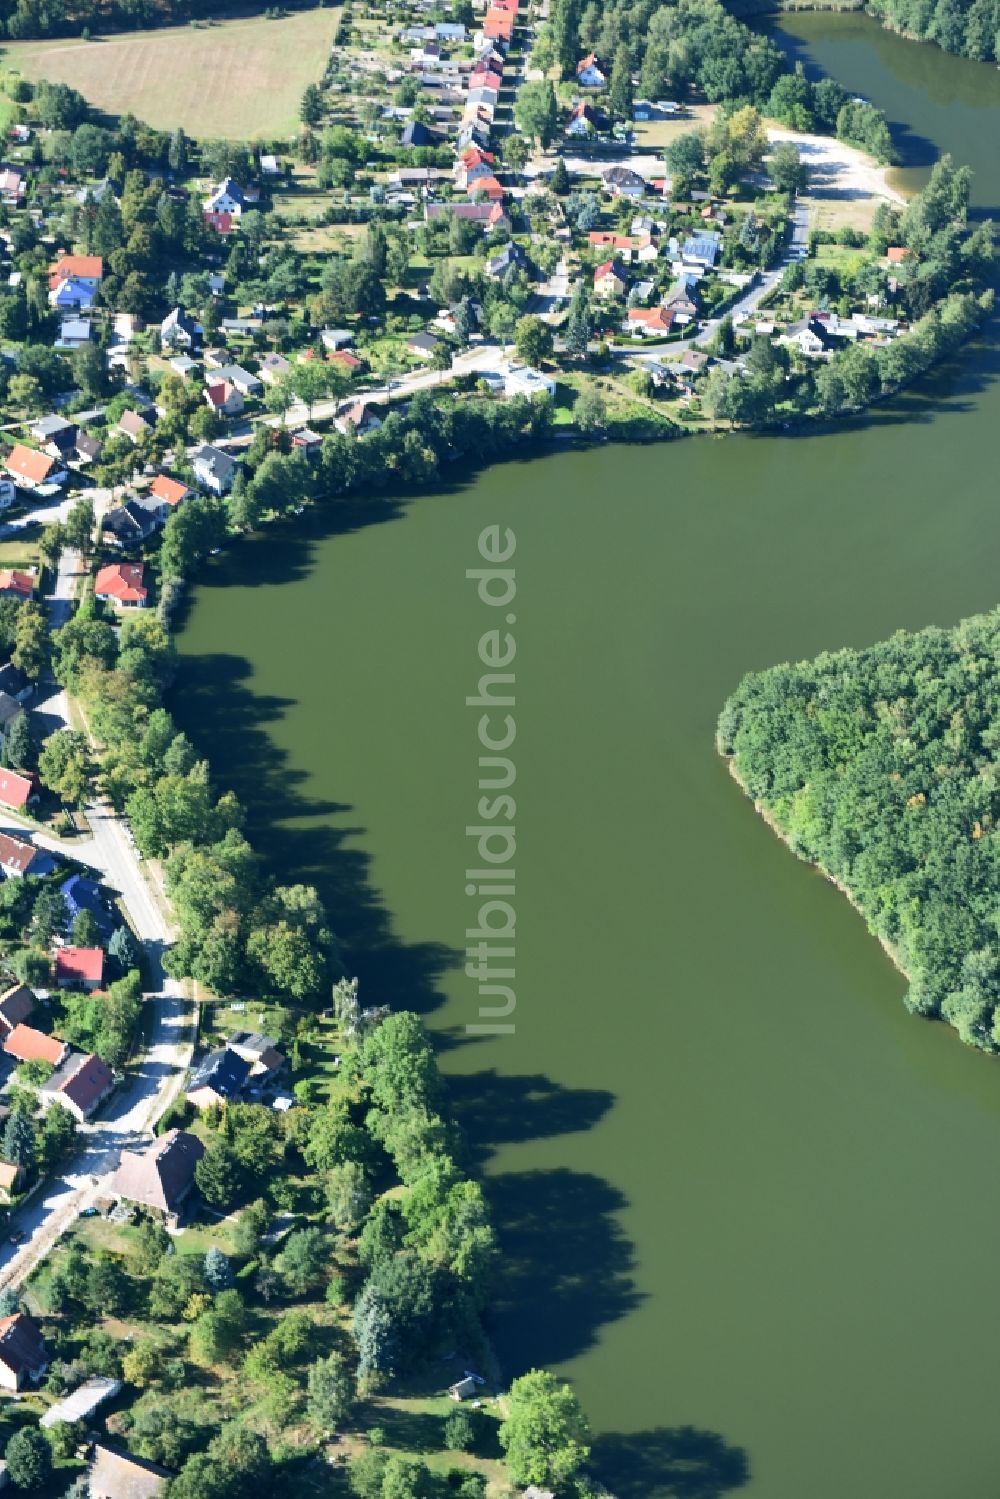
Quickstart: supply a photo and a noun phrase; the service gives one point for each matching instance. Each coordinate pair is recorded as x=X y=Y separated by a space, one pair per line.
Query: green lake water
x=747 y=1203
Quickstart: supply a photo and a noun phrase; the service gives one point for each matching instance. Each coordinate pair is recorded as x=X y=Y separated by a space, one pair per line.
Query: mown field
x=238 y=78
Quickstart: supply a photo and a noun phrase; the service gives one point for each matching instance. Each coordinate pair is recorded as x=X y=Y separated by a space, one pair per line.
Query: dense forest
x=697 y=45
x=881 y=766
x=969 y=27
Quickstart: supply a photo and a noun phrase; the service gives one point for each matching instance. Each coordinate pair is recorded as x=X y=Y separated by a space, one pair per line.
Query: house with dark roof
x=261 y=1052
x=417 y=134
x=14 y=682
x=510 y=258
x=84 y=894
x=80 y=1083
x=178 y=331
x=160 y=1177
x=622 y=182
x=23 y=1354
x=128 y=525
x=214 y=469
x=217 y=1078
x=422 y=345
x=16 y=1004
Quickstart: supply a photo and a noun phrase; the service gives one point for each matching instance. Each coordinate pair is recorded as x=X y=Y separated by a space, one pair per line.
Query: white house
x=228 y=197
x=522 y=380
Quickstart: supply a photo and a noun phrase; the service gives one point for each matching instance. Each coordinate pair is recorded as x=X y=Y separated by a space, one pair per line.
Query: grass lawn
x=19 y=551
x=239 y=78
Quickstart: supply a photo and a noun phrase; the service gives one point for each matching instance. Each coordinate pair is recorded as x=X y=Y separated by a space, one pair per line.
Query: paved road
x=740 y=309
x=155 y=1080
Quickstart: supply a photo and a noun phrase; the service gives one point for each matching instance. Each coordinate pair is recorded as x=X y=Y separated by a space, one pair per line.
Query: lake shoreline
x=767 y=816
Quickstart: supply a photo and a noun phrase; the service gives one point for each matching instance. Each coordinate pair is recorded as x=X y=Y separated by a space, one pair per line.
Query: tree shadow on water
x=294 y=832
x=670 y=1462
x=496 y=1109
x=566 y=1268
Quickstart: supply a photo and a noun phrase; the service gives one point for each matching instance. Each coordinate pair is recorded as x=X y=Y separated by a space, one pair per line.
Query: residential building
x=610 y=279
x=169 y=492
x=622 y=182
x=23 y=1355
x=357 y=417
x=17 y=791
x=590 y=72
x=121 y=584
x=10 y=1176
x=74 y=280
x=234 y=374
x=74 y=332
x=585 y=120
x=19 y=856
x=273 y=367
x=217 y=1078
x=11 y=187
x=10 y=709
x=224 y=398
x=29 y=1045
x=79 y=967
x=119 y=1475
x=81 y=893
x=422 y=345
x=261 y=1052
x=129 y=524
x=16 y=584
x=522 y=380
x=31 y=469
x=178 y=331
x=159 y=1177
x=228 y=198
x=134 y=426
x=16 y=1004
x=80 y=1084
x=650 y=322
x=214 y=469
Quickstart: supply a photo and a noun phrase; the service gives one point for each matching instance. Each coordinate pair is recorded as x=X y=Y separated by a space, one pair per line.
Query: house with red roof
x=170 y=491
x=610 y=280
x=15 y=584
x=220 y=221
x=17 y=791
x=120 y=584
x=79 y=967
x=80 y=1085
x=29 y=1045
x=224 y=398
x=74 y=280
x=498 y=25
x=488 y=188
x=30 y=469
x=650 y=321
